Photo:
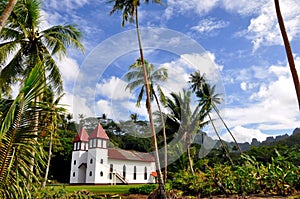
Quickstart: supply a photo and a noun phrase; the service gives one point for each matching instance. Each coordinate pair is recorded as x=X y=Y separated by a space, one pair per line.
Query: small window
x=124 y=171
x=101 y=173
x=91 y=173
x=73 y=174
x=145 y=174
x=134 y=172
x=74 y=162
x=91 y=161
x=101 y=161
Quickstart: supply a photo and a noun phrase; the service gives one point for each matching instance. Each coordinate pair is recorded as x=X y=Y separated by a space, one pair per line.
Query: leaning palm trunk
x=222 y=143
x=165 y=140
x=189 y=155
x=48 y=161
x=148 y=103
x=6 y=13
x=288 y=50
x=217 y=111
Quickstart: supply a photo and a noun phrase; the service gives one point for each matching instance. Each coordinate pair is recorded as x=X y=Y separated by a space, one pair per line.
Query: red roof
x=99 y=132
x=82 y=136
x=121 y=154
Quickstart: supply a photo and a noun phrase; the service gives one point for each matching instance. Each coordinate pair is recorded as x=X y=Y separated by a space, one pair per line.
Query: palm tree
x=135 y=78
x=51 y=115
x=6 y=13
x=208 y=99
x=288 y=50
x=23 y=38
x=189 y=122
x=130 y=12
x=198 y=83
x=17 y=142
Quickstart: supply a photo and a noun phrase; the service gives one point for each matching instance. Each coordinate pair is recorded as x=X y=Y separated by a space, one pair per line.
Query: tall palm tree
x=288 y=50
x=29 y=44
x=17 y=142
x=6 y=12
x=198 y=82
x=189 y=122
x=208 y=99
x=135 y=77
x=50 y=117
x=130 y=12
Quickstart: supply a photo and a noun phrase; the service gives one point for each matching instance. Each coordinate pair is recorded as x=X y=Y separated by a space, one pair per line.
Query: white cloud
x=183 y=7
x=210 y=24
x=243 y=86
x=114 y=88
x=243 y=134
x=272 y=107
x=263 y=28
x=76 y=105
x=69 y=69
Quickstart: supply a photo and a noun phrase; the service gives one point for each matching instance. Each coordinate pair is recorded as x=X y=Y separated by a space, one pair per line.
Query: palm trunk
x=189 y=154
x=238 y=146
x=48 y=162
x=157 y=162
x=222 y=143
x=288 y=51
x=6 y=13
x=165 y=140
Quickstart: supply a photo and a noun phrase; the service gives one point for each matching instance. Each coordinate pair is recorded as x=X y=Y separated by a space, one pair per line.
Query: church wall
x=77 y=174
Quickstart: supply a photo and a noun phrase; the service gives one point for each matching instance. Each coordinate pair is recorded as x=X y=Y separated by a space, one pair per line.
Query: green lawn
x=103 y=189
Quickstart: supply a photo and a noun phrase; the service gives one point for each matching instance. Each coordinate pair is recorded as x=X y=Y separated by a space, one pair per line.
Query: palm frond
x=17 y=142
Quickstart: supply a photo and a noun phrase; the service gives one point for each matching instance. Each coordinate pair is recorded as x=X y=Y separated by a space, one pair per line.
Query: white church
x=93 y=162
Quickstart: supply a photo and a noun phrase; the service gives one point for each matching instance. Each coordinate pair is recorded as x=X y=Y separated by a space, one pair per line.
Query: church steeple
x=81 y=140
x=98 y=138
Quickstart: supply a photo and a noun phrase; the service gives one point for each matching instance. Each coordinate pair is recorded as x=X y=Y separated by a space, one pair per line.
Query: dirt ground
x=260 y=196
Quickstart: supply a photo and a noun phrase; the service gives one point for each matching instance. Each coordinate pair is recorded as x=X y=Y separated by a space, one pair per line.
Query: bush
x=145 y=189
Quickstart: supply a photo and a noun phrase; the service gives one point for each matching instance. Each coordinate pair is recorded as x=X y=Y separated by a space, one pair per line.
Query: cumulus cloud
x=114 y=88
x=76 y=105
x=243 y=134
x=272 y=107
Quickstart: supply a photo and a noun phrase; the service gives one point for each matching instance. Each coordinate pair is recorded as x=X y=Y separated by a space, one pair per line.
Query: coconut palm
x=130 y=13
x=198 y=83
x=189 y=122
x=6 y=12
x=18 y=148
x=135 y=78
x=208 y=99
x=288 y=50
x=51 y=115
x=24 y=39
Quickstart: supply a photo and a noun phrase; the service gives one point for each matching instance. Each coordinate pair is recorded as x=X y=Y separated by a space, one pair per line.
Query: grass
x=101 y=189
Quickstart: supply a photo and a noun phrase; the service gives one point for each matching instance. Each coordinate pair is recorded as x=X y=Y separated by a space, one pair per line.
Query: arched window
x=124 y=171
x=101 y=173
x=74 y=162
x=101 y=161
x=134 y=172
x=91 y=161
x=145 y=174
x=91 y=173
x=73 y=174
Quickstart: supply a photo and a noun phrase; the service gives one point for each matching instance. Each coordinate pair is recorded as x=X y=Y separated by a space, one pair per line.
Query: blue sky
x=236 y=43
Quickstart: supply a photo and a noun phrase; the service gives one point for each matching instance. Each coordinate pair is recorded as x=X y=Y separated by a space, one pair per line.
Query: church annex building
x=93 y=162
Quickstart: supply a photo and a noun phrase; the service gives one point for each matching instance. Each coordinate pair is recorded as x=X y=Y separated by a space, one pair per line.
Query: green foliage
x=280 y=176
x=145 y=189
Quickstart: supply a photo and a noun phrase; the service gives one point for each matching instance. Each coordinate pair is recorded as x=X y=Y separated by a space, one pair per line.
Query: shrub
x=145 y=189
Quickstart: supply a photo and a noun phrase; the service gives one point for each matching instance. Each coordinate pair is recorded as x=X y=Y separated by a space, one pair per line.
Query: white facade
x=94 y=163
